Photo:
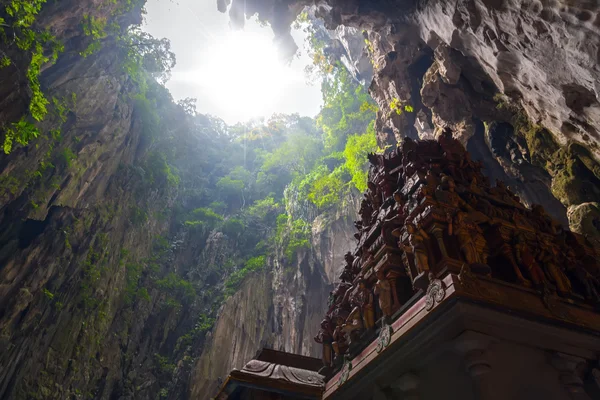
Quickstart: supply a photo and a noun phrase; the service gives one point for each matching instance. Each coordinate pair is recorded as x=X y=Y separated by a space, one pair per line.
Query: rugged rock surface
x=280 y=309
x=96 y=264
x=521 y=74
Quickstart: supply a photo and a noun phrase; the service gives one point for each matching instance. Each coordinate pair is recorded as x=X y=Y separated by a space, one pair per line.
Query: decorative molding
x=435 y=294
x=569 y=368
x=385 y=336
x=345 y=372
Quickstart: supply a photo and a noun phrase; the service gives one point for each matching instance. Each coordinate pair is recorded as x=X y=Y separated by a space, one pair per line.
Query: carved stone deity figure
x=366 y=213
x=525 y=256
x=467 y=235
x=340 y=342
x=383 y=290
x=417 y=238
x=349 y=259
x=325 y=337
x=446 y=193
x=353 y=326
x=374 y=195
x=364 y=300
x=549 y=256
x=474 y=186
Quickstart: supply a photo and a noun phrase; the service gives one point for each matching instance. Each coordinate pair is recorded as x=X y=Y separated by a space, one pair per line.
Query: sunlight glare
x=244 y=72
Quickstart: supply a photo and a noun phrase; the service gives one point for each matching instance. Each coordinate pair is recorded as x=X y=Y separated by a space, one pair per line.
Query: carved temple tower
x=455 y=289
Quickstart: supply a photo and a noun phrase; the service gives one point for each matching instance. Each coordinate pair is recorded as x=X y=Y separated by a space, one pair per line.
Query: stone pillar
x=408 y=385
x=438 y=233
x=570 y=369
x=472 y=346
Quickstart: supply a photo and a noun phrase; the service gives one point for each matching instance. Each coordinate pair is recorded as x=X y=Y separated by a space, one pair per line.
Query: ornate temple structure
x=455 y=289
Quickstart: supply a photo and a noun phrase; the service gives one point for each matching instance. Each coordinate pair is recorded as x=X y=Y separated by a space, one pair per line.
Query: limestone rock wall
x=519 y=77
x=280 y=309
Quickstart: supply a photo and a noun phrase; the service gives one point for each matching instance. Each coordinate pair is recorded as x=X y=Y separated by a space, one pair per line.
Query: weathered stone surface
x=450 y=60
x=585 y=219
x=279 y=310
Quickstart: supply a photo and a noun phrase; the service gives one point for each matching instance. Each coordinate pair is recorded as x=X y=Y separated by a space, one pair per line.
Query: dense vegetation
x=249 y=190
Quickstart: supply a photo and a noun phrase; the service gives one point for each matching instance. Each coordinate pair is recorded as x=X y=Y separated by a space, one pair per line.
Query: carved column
x=570 y=370
x=438 y=232
x=393 y=276
x=408 y=385
x=472 y=346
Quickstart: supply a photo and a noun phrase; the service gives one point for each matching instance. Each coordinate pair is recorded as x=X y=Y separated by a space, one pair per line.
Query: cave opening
x=253 y=174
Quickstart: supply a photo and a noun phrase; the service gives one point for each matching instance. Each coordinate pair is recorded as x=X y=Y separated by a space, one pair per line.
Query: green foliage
x=37 y=106
x=298 y=238
x=323 y=188
x=163 y=365
x=203 y=325
x=235 y=279
x=232 y=227
x=133 y=274
x=49 y=295
x=344 y=110
x=137 y=216
x=91 y=277
x=281 y=224
x=22 y=15
x=159 y=173
x=21 y=132
x=9 y=185
x=145 y=55
x=203 y=218
x=261 y=209
x=67 y=156
x=177 y=287
x=4 y=62
x=230 y=187
x=95 y=29
x=357 y=149
x=218 y=206
x=146 y=110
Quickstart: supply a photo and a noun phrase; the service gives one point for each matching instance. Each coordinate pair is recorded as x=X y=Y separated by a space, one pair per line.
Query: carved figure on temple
x=340 y=342
x=417 y=238
x=468 y=235
x=353 y=325
x=349 y=259
x=549 y=256
x=373 y=195
x=364 y=300
x=366 y=213
x=325 y=337
x=383 y=290
x=474 y=186
x=525 y=256
x=431 y=182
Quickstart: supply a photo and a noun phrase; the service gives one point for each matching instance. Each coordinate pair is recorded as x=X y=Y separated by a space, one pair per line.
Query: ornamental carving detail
x=429 y=212
x=435 y=294
x=384 y=338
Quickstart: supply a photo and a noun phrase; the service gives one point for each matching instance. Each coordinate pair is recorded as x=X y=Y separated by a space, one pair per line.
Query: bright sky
x=234 y=75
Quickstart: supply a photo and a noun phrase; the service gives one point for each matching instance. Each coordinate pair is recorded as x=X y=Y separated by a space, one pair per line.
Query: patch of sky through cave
x=234 y=75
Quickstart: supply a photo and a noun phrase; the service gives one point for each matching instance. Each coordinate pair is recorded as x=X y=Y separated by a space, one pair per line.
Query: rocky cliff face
x=279 y=309
x=515 y=79
x=105 y=292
